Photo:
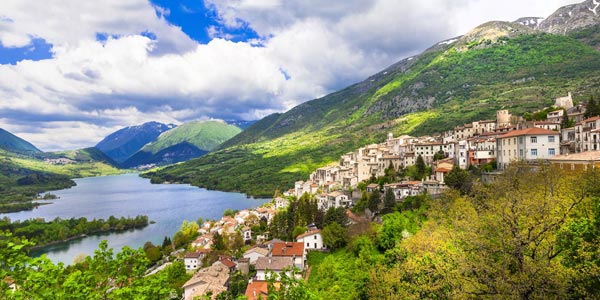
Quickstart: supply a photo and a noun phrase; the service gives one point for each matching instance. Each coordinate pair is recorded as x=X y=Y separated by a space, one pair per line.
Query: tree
x=566 y=122
x=218 y=242
x=334 y=236
x=389 y=200
x=458 y=179
x=421 y=167
x=592 y=108
x=509 y=233
x=336 y=215
x=374 y=200
x=298 y=230
x=439 y=155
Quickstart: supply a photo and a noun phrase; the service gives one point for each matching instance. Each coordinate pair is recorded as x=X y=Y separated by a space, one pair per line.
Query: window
x=315 y=237
x=520 y=152
x=521 y=140
x=307 y=245
x=315 y=245
x=551 y=151
x=533 y=140
x=533 y=152
x=550 y=139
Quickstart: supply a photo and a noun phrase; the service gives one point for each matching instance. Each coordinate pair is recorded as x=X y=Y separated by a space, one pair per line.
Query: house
x=527 y=145
x=193 y=260
x=257 y=290
x=312 y=240
x=555 y=116
x=213 y=279
x=577 y=161
x=276 y=265
x=405 y=189
x=372 y=187
x=254 y=253
x=281 y=203
x=290 y=249
x=226 y=261
x=247 y=234
x=338 y=199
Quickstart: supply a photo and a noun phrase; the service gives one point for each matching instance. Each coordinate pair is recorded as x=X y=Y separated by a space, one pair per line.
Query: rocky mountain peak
x=572 y=17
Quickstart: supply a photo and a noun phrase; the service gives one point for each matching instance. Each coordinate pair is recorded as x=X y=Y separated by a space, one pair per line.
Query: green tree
x=298 y=230
x=389 y=200
x=566 y=122
x=458 y=179
x=334 y=236
x=592 y=108
x=421 y=168
x=374 y=201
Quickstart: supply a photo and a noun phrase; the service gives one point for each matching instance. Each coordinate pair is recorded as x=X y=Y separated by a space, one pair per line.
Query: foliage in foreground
x=105 y=275
x=533 y=234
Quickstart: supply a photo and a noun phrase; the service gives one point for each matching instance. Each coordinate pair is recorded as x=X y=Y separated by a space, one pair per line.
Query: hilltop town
x=489 y=146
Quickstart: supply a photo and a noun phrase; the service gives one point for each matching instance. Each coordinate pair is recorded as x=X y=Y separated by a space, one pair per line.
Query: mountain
x=571 y=18
x=123 y=143
x=177 y=153
x=498 y=65
x=84 y=155
x=13 y=143
x=240 y=123
x=182 y=143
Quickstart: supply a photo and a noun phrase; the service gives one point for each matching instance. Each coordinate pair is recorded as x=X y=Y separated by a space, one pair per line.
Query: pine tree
x=592 y=108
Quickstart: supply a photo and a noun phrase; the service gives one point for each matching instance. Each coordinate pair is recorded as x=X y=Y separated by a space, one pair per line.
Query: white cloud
x=309 y=48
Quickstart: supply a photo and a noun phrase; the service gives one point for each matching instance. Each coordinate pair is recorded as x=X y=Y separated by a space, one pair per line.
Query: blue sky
x=92 y=67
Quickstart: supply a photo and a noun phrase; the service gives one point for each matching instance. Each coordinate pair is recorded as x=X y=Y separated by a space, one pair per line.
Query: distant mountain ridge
x=498 y=65
x=125 y=142
x=12 y=143
x=187 y=141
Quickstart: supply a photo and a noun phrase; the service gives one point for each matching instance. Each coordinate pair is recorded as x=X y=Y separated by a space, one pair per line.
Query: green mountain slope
x=86 y=155
x=13 y=143
x=206 y=135
x=497 y=66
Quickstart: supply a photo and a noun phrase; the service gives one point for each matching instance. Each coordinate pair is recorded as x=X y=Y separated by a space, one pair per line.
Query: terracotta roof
x=309 y=233
x=261 y=251
x=443 y=170
x=529 y=131
x=589 y=120
x=259 y=290
x=228 y=263
x=274 y=263
x=256 y=290
x=583 y=156
x=192 y=255
x=287 y=249
x=373 y=185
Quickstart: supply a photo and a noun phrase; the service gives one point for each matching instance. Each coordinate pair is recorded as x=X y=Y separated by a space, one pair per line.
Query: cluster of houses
x=269 y=259
x=504 y=140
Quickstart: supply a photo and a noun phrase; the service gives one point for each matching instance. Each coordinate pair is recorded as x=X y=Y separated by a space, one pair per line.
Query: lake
x=130 y=195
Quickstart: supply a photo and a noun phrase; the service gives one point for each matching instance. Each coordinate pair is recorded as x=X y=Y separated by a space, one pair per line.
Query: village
x=495 y=143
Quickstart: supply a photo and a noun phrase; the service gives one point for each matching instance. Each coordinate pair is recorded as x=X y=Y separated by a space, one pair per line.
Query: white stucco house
x=312 y=240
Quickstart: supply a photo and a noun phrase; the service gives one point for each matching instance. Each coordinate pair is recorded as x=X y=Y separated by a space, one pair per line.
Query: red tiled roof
x=308 y=233
x=287 y=249
x=589 y=120
x=192 y=255
x=528 y=131
x=228 y=263
x=259 y=290
x=443 y=170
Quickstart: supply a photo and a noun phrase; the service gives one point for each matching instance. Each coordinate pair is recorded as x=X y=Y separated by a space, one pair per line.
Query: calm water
x=130 y=195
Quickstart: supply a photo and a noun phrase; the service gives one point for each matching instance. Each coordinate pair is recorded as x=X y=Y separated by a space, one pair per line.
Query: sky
x=72 y=71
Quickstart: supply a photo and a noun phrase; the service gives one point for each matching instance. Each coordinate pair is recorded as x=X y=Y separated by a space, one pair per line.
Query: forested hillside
x=498 y=65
